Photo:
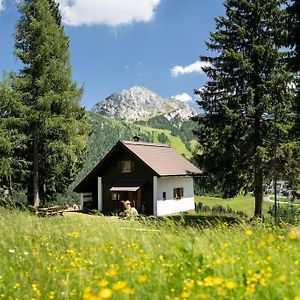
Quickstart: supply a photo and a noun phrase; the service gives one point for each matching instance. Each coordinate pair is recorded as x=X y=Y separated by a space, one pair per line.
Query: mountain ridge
x=139 y=103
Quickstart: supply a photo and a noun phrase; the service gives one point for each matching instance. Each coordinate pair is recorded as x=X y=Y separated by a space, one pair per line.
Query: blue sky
x=116 y=44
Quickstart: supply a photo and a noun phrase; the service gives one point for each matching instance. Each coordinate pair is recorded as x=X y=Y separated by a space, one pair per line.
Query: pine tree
x=13 y=166
x=58 y=127
x=248 y=83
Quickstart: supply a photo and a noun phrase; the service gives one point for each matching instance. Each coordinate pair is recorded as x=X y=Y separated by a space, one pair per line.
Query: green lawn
x=241 y=203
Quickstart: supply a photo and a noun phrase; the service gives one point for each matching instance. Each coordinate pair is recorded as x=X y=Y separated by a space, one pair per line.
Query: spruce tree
x=248 y=83
x=57 y=126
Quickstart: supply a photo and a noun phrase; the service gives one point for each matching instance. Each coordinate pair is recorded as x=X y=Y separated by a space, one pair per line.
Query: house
x=156 y=179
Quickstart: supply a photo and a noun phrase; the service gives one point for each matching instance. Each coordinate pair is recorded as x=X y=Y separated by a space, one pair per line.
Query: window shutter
x=132 y=166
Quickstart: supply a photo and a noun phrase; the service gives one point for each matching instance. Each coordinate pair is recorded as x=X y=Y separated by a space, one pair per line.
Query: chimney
x=136 y=138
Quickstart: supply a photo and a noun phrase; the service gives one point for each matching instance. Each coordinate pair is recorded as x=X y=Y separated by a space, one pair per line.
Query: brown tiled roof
x=162 y=159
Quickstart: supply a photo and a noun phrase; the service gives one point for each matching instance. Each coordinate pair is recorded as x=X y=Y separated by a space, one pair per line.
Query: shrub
x=218 y=210
x=286 y=213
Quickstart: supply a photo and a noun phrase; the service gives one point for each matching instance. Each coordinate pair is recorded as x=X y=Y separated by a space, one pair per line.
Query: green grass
x=90 y=257
x=175 y=142
x=240 y=203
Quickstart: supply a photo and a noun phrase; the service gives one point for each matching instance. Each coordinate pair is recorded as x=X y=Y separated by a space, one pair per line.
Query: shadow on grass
x=198 y=221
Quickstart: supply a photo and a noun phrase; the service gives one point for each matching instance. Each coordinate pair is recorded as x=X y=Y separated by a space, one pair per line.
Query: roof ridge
x=145 y=144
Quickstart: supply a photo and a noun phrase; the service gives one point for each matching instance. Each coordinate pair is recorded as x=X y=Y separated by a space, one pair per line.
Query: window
x=178 y=193
x=126 y=166
x=115 y=196
x=164 y=196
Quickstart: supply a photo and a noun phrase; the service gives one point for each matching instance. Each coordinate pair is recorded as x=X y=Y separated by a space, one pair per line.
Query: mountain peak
x=140 y=102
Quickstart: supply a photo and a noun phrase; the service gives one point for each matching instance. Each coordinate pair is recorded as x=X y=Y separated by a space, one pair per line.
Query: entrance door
x=133 y=197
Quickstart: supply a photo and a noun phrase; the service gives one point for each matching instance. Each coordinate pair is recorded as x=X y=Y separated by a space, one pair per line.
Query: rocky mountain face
x=139 y=103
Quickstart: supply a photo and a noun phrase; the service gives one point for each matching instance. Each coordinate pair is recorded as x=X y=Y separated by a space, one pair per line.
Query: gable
x=110 y=165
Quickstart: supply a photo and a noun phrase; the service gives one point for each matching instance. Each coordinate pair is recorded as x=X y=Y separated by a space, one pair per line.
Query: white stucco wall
x=171 y=205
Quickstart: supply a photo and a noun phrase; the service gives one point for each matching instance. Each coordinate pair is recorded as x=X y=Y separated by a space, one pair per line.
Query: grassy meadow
x=239 y=203
x=92 y=257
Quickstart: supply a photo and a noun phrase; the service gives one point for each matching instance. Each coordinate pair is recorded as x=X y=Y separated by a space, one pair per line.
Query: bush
x=218 y=210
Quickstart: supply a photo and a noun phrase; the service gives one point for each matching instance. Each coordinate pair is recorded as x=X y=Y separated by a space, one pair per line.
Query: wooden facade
x=112 y=175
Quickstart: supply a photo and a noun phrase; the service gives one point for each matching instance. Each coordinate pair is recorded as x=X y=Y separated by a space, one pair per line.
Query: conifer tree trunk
x=36 y=198
x=10 y=187
x=258 y=192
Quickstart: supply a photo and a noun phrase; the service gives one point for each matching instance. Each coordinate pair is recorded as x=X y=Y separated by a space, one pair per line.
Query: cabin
x=157 y=180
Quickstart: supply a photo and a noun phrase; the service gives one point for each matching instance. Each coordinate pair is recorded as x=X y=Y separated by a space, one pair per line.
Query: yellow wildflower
x=231 y=285
x=185 y=294
x=282 y=278
x=111 y=273
x=208 y=281
x=36 y=289
x=142 y=278
x=16 y=285
x=128 y=291
x=263 y=281
x=271 y=238
x=217 y=281
x=73 y=234
x=293 y=235
x=249 y=232
x=250 y=289
x=119 y=285
x=105 y=293
x=103 y=283
x=218 y=261
x=189 y=283
x=199 y=283
x=86 y=293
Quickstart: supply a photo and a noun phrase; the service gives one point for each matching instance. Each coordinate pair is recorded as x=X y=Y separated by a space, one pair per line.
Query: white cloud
x=184 y=97
x=107 y=12
x=196 y=67
x=2 y=6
